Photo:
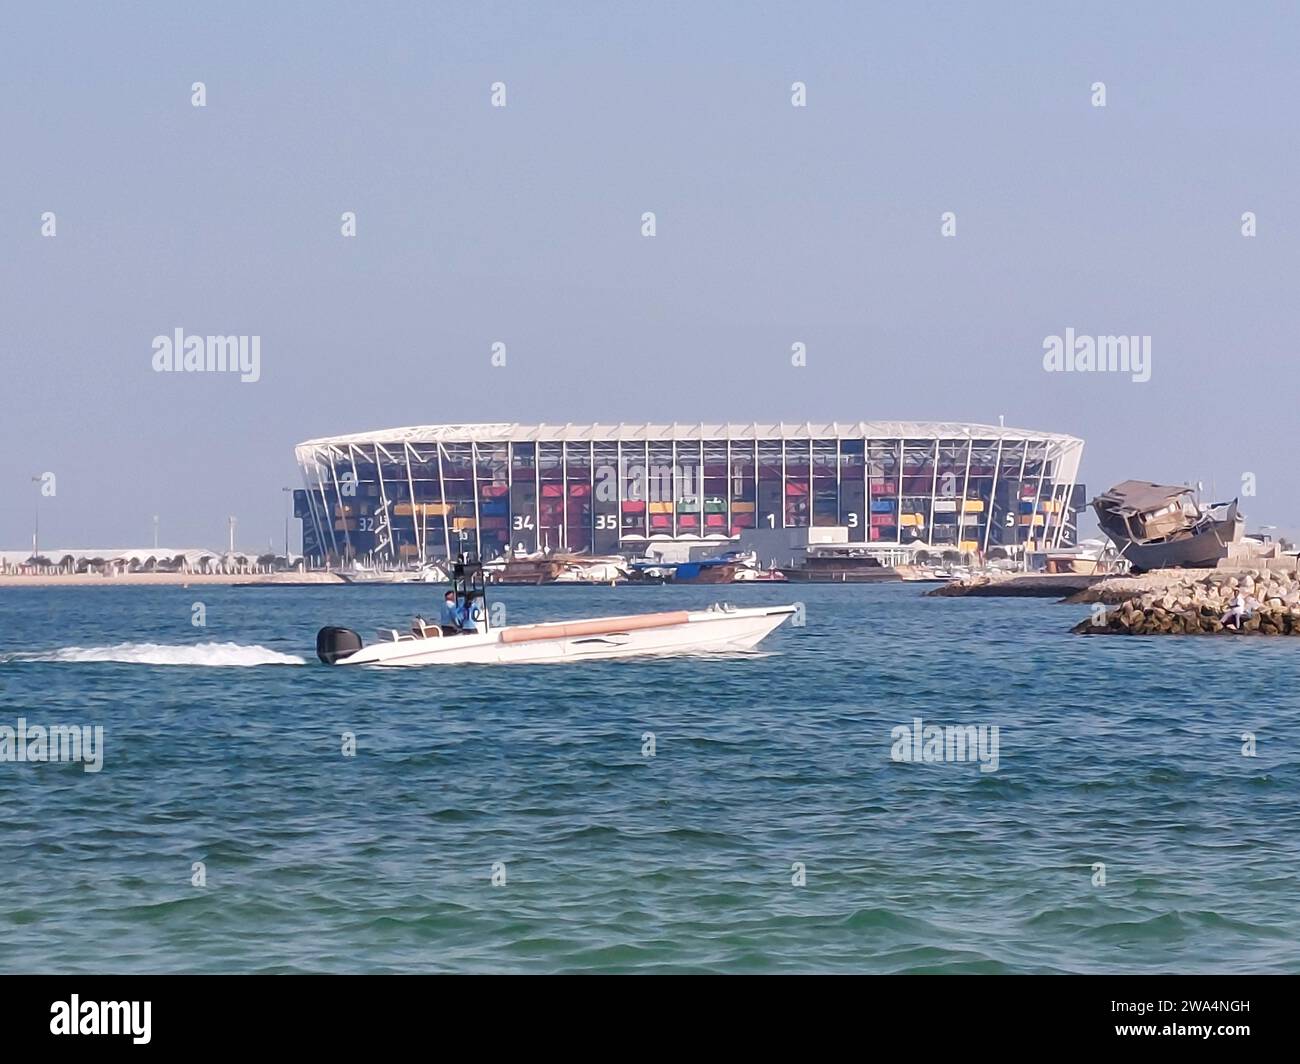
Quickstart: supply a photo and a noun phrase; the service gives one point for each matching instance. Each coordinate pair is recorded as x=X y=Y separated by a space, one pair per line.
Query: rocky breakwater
x=1194 y=603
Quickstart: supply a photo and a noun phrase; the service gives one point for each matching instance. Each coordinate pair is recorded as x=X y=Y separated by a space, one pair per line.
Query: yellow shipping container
x=661 y=507
x=974 y=506
x=1031 y=519
x=911 y=520
x=742 y=507
x=462 y=522
x=969 y=544
x=427 y=509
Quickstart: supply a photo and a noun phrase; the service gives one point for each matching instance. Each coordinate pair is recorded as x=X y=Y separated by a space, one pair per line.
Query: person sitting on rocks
x=1237 y=611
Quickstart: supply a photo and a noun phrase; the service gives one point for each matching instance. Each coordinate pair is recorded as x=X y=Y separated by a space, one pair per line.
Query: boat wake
x=200 y=654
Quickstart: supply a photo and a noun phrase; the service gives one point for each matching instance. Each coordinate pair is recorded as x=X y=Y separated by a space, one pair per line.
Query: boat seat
x=423 y=630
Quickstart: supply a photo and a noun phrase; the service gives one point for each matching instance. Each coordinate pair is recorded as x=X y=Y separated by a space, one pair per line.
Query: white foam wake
x=218 y=654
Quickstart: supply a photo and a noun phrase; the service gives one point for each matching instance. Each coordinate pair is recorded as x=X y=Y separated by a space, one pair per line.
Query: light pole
x=155 y=531
x=288 y=501
x=36 y=526
x=232 y=520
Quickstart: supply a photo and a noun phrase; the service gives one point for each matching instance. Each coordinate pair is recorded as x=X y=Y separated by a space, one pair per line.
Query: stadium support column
x=339 y=505
x=619 y=474
x=326 y=519
x=415 y=504
x=1020 y=486
x=702 y=531
x=992 y=499
x=473 y=483
x=442 y=502
x=383 y=502
x=1067 y=495
x=324 y=529
x=356 y=488
x=537 y=489
x=934 y=487
x=965 y=486
x=1038 y=499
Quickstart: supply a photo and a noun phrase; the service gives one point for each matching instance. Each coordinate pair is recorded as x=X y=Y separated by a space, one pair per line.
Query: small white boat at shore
x=429 y=573
x=719 y=628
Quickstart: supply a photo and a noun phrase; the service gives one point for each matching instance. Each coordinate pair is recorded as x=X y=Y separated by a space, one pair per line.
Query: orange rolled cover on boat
x=526 y=633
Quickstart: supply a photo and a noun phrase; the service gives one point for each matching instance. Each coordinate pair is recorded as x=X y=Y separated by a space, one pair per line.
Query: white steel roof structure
x=1067 y=448
x=513 y=432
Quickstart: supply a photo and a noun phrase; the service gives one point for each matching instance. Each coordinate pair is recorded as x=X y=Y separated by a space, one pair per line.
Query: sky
x=522 y=224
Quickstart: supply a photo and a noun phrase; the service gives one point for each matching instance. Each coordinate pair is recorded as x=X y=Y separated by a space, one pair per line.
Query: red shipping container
x=552 y=490
x=661 y=521
x=634 y=507
x=687 y=521
x=716 y=520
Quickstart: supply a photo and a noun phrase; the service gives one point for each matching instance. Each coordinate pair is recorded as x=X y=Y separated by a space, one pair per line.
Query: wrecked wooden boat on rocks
x=1161 y=526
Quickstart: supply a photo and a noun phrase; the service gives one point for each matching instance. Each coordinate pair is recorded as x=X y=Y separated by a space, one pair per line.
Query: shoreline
x=45 y=580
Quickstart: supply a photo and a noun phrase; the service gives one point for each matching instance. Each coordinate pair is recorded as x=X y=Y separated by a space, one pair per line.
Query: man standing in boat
x=449 y=620
x=470 y=613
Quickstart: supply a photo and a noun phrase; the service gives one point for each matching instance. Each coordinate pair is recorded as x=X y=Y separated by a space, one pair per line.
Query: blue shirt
x=450 y=615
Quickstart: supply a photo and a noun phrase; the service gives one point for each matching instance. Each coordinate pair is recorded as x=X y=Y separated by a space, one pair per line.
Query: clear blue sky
x=522 y=224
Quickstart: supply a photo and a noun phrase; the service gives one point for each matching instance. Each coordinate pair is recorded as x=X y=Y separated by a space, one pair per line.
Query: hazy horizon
x=522 y=224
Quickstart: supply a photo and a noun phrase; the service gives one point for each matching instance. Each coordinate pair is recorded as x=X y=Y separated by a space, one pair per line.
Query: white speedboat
x=718 y=628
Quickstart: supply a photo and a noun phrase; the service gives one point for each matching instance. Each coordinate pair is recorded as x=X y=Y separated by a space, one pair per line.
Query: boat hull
x=1201 y=549
x=706 y=631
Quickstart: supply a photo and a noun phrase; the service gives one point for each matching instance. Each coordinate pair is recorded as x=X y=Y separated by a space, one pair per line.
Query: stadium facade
x=427 y=492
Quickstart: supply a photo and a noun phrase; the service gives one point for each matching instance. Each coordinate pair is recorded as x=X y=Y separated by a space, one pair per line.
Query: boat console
x=470 y=585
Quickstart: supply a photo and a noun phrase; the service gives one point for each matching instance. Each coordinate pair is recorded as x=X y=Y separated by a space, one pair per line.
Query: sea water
x=258 y=811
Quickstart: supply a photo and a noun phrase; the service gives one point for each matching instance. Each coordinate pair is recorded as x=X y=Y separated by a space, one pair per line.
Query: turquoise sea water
x=1121 y=751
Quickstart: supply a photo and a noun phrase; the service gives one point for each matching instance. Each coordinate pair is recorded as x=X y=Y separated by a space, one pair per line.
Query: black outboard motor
x=334 y=643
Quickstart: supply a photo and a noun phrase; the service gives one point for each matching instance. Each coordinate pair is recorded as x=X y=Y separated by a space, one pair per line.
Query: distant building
x=410 y=494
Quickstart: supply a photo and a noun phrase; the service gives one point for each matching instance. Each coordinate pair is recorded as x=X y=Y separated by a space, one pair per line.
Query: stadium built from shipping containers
x=412 y=494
